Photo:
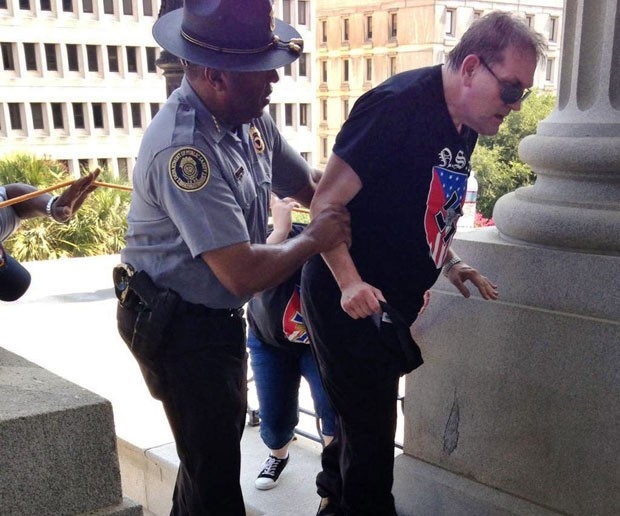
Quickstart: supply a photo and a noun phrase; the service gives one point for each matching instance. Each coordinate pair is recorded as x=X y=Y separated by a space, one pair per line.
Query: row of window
x=38 y=117
x=21 y=57
x=293 y=115
x=449 y=26
x=106 y=7
x=368 y=69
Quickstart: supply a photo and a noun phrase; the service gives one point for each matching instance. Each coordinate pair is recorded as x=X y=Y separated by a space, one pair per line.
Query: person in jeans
x=280 y=356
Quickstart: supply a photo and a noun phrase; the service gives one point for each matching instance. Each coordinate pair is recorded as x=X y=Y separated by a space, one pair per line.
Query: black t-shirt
x=413 y=164
x=274 y=315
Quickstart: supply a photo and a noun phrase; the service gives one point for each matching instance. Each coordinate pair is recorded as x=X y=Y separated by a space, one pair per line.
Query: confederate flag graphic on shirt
x=443 y=209
x=293 y=324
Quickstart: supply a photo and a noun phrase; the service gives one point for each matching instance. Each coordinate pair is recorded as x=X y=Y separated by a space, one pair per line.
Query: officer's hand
x=361 y=299
x=330 y=228
x=72 y=198
x=461 y=272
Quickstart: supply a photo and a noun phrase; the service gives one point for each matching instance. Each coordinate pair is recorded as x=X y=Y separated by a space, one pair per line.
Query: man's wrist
x=449 y=264
x=49 y=207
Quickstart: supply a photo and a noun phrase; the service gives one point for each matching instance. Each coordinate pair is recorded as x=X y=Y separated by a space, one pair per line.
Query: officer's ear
x=215 y=78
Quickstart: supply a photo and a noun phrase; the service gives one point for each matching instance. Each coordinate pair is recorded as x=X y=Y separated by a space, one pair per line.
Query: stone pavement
x=66 y=323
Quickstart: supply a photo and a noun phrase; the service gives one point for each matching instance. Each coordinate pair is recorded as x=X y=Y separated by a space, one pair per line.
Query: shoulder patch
x=189 y=169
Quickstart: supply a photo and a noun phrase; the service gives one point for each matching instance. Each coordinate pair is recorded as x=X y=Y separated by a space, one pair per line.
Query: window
x=123 y=168
x=93 y=61
x=117 y=115
x=8 y=62
x=477 y=15
x=154 y=106
x=286 y=11
x=51 y=59
x=303 y=115
x=553 y=29
x=57 y=119
x=306 y=156
x=151 y=56
x=72 y=58
x=450 y=22
x=324 y=110
x=147 y=7
x=288 y=70
x=15 y=116
x=98 y=115
x=302 y=64
x=128 y=7
x=46 y=5
x=345 y=109
x=83 y=165
x=392 y=66
x=393 y=25
x=67 y=6
x=345 y=70
x=288 y=114
x=87 y=6
x=324 y=147
x=323 y=31
x=3 y=5
x=132 y=60
x=369 y=27
x=345 y=29
x=78 y=115
x=113 y=58
x=37 y=115
x=323 y=71
x=369 y=69
x=136 y=114
x=30 y=56
x=108 y=6
x=529 y=20
x=273 y=112
x=24 y=5
x=549 y=69
x=302 y=12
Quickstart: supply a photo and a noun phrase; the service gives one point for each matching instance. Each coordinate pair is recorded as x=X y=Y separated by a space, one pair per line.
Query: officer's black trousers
x=201 y=379
x=361 y=379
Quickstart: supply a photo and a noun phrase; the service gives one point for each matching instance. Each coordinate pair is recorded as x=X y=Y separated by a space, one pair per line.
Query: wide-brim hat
x=14 y=278
x=235 y=35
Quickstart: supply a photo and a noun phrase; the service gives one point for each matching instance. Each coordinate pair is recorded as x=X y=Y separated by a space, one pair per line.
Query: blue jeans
x=277 y=375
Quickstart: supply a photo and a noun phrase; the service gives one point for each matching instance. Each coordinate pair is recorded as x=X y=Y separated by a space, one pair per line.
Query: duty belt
x=137 y=291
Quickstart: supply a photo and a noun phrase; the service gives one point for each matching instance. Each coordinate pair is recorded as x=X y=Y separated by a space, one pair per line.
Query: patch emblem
x=189 y=169
x=257 y=140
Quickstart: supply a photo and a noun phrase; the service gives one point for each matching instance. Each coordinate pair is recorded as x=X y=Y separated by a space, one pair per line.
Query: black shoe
x=269 y=475
x=328 y=508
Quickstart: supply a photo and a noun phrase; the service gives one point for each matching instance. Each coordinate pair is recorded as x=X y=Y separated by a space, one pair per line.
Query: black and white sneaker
x=269 y=475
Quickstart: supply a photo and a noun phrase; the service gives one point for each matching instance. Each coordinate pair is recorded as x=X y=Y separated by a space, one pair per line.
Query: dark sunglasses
x=509 y=92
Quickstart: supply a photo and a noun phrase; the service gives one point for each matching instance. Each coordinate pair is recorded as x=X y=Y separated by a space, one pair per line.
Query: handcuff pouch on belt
x=155 y=308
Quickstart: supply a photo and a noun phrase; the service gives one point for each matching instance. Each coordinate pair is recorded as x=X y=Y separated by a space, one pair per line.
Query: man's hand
x=72 y=198
x=361 y=299
x=461 y=272
x=330 y=228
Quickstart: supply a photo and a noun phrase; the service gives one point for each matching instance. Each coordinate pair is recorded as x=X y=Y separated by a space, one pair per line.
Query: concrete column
x=576 y=151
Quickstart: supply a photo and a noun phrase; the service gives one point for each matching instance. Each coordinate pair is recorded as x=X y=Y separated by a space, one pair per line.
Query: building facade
x=361 y=43
x=79 y=82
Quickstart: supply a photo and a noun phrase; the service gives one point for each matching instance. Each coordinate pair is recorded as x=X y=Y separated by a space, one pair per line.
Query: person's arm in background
x=62 y=209
x=282 y=216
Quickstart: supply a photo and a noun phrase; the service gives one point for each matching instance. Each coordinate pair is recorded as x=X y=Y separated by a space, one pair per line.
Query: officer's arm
x=245 y=268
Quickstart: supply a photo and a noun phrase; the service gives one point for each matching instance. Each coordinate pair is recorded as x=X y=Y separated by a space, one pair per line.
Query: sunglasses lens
x=511 y=94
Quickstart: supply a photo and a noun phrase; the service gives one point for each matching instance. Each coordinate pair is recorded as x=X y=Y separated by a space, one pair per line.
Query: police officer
x=197 y=225
x=14 y=278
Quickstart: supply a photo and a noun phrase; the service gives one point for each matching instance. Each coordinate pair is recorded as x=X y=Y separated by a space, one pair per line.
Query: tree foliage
x=98 y=228
x=496 y=160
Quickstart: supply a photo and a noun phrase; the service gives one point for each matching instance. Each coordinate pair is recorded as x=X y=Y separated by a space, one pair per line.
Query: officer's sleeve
x=197 y=198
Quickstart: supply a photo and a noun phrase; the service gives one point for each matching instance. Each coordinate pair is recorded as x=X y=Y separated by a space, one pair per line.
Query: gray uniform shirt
x=198 y=186
x=9 y=221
